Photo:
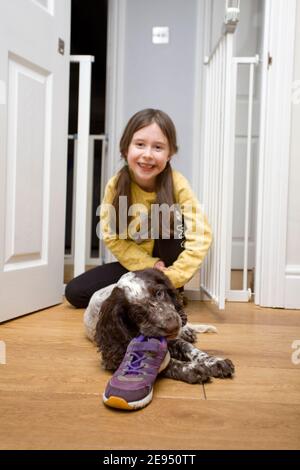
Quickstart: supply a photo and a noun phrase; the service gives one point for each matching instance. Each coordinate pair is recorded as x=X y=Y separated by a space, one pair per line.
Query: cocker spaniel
x=145 y=302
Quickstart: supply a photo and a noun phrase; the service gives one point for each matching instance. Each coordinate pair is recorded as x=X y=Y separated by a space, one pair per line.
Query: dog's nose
x=172 y=326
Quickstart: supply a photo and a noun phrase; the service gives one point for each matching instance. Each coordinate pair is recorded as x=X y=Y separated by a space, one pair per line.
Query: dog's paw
x=188 y=334
x=197 y=374
x=220 y=368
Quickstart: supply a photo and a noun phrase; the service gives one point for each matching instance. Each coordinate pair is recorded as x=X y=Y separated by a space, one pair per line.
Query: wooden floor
x=51 y=386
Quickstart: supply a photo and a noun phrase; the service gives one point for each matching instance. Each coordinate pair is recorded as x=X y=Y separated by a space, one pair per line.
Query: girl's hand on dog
x=160 y=265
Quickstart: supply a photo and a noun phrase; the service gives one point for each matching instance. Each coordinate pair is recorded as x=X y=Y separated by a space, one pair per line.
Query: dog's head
x=142 y=302
x=152 y=303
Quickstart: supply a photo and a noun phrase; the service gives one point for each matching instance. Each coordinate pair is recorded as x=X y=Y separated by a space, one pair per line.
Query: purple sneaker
x=131 y=386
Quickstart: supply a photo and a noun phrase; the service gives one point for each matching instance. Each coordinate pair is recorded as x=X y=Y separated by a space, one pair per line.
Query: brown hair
x=145 y=118
x=164 y=181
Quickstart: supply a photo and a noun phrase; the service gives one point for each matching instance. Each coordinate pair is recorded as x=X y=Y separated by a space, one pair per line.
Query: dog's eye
x=160 y=294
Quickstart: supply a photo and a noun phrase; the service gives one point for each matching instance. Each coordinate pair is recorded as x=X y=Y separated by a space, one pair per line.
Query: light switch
x=160 y=34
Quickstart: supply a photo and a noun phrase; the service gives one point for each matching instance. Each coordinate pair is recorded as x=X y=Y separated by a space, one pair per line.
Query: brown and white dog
x=145 y=302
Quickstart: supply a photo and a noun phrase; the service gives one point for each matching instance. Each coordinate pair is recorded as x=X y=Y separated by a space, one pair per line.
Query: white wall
x=293 y=238
x=162 y=76
x=292 y=285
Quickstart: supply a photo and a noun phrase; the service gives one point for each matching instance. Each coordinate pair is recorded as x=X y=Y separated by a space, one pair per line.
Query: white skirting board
x=292 y=286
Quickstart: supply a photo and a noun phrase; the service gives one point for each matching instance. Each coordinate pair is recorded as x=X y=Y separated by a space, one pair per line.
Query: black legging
x=81 y=288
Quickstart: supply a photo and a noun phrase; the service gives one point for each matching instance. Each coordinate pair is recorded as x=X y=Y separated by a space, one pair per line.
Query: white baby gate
x=83 y=151
x=219 y=142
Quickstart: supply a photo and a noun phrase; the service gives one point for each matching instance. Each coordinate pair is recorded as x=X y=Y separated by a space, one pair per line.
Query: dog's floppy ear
x=113 y=328
x=178 y=304
x=173 y=293
x=112 y=317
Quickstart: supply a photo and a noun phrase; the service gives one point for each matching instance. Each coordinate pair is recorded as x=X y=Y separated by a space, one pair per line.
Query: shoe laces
x=135 y=364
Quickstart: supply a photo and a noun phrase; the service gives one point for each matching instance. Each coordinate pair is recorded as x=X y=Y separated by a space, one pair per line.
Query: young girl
x=147 y=179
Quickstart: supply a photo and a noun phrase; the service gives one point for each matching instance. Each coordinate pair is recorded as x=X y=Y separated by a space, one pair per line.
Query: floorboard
x=52 y=383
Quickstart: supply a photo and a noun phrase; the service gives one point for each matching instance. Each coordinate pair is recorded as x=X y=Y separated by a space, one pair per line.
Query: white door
x=34 y=88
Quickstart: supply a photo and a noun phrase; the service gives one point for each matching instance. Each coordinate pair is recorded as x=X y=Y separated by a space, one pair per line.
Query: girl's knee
x=74 y=295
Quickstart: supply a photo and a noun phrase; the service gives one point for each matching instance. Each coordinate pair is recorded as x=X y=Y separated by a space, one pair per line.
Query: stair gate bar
x=81 y=185
x=218 y=165
x=248 y=177
x=69 y=259
x=244 y=295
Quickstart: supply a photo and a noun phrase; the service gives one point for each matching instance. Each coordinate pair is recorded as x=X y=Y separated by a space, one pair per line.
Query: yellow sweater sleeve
x=131 y=255
x=198 y=236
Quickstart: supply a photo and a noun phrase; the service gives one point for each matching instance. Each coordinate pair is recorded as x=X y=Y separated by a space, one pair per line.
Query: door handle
x=61 y=46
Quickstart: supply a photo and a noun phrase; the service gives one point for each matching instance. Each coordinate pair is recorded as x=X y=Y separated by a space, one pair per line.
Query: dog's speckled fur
x=145 y=302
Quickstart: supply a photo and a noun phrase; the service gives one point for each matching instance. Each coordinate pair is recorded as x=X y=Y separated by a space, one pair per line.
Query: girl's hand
x=160 y=265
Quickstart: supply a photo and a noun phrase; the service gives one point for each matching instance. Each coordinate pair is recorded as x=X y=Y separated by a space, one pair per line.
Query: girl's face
x=147 y=155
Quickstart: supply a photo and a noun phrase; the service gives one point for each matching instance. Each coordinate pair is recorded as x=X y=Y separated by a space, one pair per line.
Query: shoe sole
x=120 y=403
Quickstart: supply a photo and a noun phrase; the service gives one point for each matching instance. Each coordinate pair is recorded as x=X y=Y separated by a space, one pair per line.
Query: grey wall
x=249 y=29
x=217 y=19
x=162 y=76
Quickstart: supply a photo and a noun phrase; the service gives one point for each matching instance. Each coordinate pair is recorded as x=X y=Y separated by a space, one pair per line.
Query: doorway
x=88 y=37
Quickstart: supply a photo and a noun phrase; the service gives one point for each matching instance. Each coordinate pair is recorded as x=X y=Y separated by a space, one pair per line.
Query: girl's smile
x=148 y=155
x=145 y=166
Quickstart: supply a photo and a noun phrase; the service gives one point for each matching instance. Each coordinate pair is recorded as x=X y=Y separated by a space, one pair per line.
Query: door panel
x=27 y=205
x=33 y=151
